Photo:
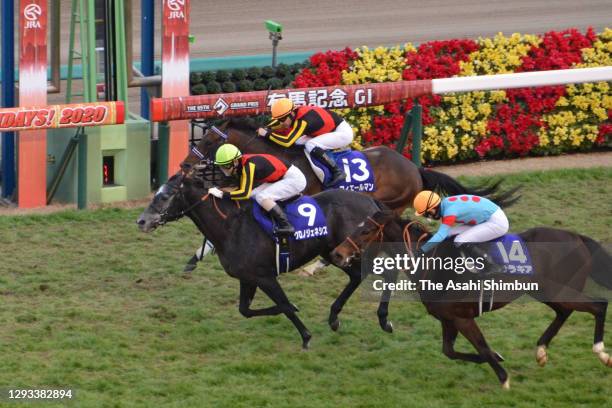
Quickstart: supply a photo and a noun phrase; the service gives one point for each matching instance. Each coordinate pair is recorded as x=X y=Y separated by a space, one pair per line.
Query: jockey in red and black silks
x=317 y=129
x=264 y=177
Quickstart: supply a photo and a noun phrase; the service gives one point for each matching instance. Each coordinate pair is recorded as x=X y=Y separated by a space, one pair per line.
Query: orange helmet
x=282 y=107
x=424 y=201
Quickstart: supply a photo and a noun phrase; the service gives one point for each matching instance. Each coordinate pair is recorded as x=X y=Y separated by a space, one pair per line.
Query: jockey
x=480 y=220
x=263 y=176
x=316 y=128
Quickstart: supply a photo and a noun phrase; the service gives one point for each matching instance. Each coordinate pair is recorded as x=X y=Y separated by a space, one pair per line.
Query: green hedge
x=244 y=80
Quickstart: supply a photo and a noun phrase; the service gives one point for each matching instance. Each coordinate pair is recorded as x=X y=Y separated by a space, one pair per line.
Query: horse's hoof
x=605 y=359
x=541 y=356
x=335 y=325
x=506 y=384
x=388 y=327
x=189 y=268
x=599 y=349
x=306 y=342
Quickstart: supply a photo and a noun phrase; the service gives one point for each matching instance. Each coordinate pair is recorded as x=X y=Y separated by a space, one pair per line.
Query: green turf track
x=89 y=302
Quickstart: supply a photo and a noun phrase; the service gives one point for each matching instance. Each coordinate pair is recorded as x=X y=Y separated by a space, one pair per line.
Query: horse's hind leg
x=598 y=309
x=273 y=289
x=471 y=331
x=247 y=292
x=551 y=331
x=354 y=273
x=449 y=335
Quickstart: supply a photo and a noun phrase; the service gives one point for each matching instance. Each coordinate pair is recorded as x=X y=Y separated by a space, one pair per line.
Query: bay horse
x=398 y=180
x=562 y=266
x=247 y=253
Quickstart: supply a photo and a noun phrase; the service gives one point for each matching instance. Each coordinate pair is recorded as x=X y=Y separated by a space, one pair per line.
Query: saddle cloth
x=512 y=253
x=303 y=213
x=356 y=166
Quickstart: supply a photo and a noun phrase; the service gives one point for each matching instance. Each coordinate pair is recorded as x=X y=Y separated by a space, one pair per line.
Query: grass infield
x=90 y=303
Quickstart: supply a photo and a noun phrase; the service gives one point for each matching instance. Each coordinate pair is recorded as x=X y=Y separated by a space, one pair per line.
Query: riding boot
x=472 y=250
x=283 y=226
x=337 y=175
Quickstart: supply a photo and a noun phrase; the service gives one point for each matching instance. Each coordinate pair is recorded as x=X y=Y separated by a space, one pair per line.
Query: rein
x=221 y=213
x=406 y=235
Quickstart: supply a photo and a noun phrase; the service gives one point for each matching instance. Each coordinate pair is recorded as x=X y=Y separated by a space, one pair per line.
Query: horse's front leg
x=354 y=273
x=385 y=298
x=247 y=293
x=273 y=289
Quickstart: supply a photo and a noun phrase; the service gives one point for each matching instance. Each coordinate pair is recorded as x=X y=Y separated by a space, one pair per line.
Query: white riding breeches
x=292 y=184
x=341 y=137
x=494 y=227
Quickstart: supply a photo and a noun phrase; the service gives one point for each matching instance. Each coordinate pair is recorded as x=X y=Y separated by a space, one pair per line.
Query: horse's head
x=167 y=205
x=368 y=231
x=382 y=226
x=234 y=131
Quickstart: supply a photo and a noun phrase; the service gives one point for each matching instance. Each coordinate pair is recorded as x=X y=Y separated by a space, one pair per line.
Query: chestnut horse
x=562 y=267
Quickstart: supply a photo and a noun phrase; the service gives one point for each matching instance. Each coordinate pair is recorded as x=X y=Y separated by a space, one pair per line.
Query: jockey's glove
x=215 y=192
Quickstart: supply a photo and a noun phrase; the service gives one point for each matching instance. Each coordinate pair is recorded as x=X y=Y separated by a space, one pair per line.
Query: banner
x=32 y=146
x=175 y=73
x=253 y=103
x=62 y=116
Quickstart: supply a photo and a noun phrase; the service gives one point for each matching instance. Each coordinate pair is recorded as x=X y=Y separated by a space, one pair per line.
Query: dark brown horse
x=397 y=179
x=562 y=260
x=247 y=253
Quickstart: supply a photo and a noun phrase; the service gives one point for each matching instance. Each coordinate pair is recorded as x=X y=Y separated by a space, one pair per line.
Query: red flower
x=326 y=69
x=517 y=122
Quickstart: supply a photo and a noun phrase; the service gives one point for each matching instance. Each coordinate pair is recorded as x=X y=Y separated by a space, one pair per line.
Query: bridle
x=166 y=217
x=377 y=237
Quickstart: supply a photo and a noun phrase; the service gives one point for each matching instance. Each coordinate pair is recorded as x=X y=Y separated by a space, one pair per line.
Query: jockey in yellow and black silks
x=317 y=129
x=264 y=177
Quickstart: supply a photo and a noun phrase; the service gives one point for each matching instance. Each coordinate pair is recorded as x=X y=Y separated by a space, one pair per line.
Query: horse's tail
x=601 y=270
x=434 y=180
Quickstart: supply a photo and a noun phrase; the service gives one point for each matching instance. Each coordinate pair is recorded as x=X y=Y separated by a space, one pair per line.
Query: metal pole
x=120 y=40
x=147 y=45
x=274 y=46
x=66 y=157
x=82 y=172
x=401 y=143
x=417 y=132
x=7 y=9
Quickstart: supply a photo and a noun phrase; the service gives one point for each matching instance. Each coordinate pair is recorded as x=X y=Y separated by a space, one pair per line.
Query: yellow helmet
x=226 y=154
x=424 y=201
x=282 y=107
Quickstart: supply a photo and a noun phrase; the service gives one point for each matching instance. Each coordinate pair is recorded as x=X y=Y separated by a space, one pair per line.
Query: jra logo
x=177 y=9
x=32 y=12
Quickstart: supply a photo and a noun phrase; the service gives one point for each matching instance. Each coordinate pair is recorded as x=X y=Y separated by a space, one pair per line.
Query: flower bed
x=517 y=122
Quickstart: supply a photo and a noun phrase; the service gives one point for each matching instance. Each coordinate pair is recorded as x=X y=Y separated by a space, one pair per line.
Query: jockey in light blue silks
x=470 y=219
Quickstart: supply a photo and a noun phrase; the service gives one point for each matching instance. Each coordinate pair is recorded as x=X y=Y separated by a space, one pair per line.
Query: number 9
x=308 y=210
